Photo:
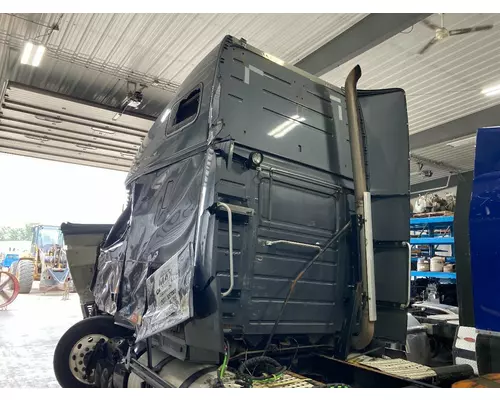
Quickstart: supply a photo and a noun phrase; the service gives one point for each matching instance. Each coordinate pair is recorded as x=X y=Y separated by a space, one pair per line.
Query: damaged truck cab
x=268 y=216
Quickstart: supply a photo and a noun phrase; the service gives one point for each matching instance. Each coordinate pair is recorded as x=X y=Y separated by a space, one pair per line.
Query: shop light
x=32 y=55
x=491 y=91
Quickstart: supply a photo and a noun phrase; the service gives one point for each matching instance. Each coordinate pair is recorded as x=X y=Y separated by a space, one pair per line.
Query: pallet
x=433 y=214
x=289 y=380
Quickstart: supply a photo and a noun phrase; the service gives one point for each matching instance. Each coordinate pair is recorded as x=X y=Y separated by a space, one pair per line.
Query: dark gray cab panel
x=175 y=262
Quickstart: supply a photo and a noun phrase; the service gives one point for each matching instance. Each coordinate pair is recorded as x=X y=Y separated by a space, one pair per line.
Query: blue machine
x=484 y=231
x=9 y=259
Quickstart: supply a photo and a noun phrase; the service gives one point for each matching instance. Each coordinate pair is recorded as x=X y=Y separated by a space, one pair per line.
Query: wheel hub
x=79 y=353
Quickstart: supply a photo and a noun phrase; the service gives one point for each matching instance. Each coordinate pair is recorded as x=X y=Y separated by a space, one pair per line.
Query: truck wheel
x=24 y=273
x=78 y=341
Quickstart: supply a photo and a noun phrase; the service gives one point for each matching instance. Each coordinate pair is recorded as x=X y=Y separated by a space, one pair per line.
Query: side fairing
x=385 y=125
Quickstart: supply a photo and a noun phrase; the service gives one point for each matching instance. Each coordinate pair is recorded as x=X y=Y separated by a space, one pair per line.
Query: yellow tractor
x=46 y=262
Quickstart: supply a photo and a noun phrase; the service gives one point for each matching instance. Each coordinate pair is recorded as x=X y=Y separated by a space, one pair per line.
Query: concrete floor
x=29 y=331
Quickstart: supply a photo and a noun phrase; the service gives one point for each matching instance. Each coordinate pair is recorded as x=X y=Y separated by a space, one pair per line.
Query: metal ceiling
x=447 y=158
x=38 y=123
x=442 y=85
x=92 y=56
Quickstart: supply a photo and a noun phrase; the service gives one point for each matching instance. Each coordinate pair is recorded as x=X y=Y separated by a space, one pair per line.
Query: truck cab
x=268 y=215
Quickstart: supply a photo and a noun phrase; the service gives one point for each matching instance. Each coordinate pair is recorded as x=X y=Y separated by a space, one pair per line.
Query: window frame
x=171 y=130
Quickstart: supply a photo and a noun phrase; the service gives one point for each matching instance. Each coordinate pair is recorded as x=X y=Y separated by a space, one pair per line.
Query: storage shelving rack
x=429 y=233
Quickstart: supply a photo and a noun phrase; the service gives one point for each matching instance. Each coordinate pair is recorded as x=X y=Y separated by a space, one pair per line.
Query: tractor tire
x=88 y=331
x=13 y=268
x=24 y=273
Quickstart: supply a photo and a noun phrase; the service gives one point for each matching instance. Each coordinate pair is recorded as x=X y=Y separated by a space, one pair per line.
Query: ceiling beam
x=362 y=36
x=434 y=163
x=437 y=184
x=456 y=129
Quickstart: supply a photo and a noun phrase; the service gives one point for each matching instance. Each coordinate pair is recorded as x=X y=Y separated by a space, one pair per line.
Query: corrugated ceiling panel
x=459 y=156
x=37 y=123
x=416 y=178
x=19 y=96
x=111 y=48
x=444 y=83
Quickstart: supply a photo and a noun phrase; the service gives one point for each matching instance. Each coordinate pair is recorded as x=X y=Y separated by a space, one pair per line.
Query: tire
x=13 y=268
x=100 y=325
x=24 y=273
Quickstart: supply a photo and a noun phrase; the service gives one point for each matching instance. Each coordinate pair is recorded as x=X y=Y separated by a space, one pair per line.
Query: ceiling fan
x=442 y=33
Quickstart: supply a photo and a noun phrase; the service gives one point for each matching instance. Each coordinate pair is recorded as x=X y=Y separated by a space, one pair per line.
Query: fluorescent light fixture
x=116 y=116
x=106 y=131
x=165 y=115
x=462 y=142
x=491 y=91
x=32 y=55
x=28 y=48
x=38 y=56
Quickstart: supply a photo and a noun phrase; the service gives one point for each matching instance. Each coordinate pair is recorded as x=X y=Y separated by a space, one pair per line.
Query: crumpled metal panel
x=108 y=278
x=163 y=221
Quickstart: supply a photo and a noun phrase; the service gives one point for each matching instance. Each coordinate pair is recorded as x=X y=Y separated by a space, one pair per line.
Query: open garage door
x=42 y=124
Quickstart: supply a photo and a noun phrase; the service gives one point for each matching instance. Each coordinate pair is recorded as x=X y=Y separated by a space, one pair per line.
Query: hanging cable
x=333 y=239
x=33 y=22
x=222 y=369
x=50 y=28
x=272 y=369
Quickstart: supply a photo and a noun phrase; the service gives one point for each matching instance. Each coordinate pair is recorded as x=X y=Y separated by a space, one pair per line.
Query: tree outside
x=13 y=234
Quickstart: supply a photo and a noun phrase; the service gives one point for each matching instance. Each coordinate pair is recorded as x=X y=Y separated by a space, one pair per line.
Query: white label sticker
x=168 y=295
x=166 y=284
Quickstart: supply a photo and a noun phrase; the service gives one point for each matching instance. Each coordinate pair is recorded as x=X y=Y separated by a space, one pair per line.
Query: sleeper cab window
x=185 y=111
